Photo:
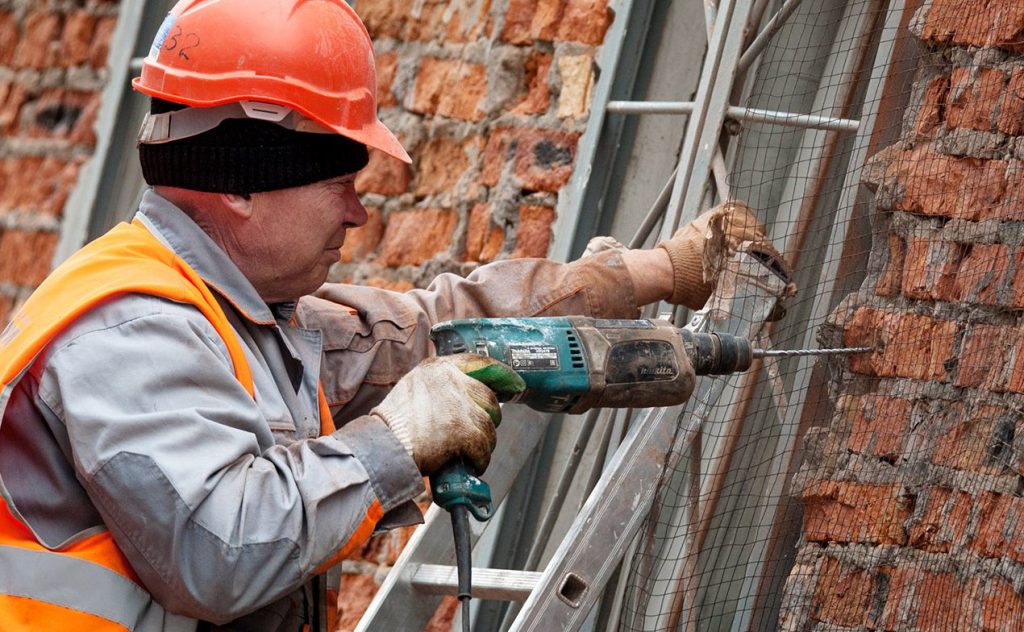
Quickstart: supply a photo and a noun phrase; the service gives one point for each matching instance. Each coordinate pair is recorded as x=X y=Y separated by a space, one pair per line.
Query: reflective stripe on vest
x=85 y=588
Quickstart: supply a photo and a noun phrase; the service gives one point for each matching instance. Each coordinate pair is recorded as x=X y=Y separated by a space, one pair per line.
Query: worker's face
x=295 y=235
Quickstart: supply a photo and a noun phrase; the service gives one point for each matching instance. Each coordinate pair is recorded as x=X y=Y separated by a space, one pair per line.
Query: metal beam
x=79 y=207
x=756 y=115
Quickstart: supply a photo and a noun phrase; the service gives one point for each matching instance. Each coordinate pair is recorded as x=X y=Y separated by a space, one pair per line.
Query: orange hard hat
x=313 y=56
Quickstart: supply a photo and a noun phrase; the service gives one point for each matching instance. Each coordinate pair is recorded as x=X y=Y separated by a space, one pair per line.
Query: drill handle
x=456 y=485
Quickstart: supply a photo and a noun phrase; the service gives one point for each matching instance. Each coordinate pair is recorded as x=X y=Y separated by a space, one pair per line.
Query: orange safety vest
x=89 y=584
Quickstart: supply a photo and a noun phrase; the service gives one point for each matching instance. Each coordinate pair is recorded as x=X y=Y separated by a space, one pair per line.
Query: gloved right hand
x=438 y=412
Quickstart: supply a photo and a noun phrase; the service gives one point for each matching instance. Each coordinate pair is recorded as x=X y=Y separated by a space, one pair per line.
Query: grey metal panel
x=79 y=207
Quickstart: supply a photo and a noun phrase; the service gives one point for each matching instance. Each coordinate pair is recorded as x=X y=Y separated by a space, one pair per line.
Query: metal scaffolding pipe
x=787 y=119
x=764 y=37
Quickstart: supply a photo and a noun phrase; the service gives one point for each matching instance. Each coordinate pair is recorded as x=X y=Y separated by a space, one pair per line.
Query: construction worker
x=192 y=427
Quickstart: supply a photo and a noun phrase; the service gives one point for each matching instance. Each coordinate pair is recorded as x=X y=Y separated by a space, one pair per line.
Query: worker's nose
x=355 y=212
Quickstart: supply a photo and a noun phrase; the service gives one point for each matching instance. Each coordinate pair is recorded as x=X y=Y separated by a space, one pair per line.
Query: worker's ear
x=238 y=204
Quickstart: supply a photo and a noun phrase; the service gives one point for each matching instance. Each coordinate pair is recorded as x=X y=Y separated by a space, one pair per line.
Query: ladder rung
x=488 y=583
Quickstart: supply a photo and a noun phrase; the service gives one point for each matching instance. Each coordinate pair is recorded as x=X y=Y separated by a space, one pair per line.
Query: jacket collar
x=177 y=231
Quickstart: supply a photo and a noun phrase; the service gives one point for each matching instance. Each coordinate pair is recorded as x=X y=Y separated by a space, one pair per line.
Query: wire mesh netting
x=879 y=490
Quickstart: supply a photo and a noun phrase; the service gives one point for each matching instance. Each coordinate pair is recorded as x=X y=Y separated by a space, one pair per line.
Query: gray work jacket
x=225 y=506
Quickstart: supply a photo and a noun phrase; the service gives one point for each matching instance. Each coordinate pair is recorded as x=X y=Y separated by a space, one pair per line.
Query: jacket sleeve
x=177 y=457
x=372 y=337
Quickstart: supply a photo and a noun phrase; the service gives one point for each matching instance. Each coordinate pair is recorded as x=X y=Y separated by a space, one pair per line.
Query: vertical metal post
x=705 y=124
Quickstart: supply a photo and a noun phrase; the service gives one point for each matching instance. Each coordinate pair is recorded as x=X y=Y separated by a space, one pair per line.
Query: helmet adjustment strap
x=193 y=121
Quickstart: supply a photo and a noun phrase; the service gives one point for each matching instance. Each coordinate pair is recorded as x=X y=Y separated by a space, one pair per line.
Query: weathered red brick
x=943 y=525
x=384 y=175
x=101 y=41
x=944 y=600
x=984 y=356
x=968 y=441
x=77 y=38
x=34 y=183
x=840 y=511
x=441 y=162
x=435 y=94
x=12 y=97
x=533 y=232
x=990 y=537
x=967 y=22
x=1016 y=299
x=38 y=41
x=1001 y=608
x=26 y=256
x=537 y=98
x=879 y=426
x=544 y=158
x=1010 y=114
x=427 y=22
x=483 y=238
x=899 y=610
x=972 y=97
x=8 y=37
x=356 y=592
x=6 y=305
x=387 y=66
x=843 y=593
x=932 y=109
x=469 y=21
x=958 y=188
x=500 y=149
x=413 y=237
x=58 y=113
x=395 y=285
x=930 y=269
x=911 y=345
x=443 y=616
x=982 y=276
x=383 y=18
x=585 y=21
x=360 y=242
x=529 y=20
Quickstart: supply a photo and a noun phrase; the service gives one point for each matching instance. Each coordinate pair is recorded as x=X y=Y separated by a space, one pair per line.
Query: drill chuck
x=717 y=353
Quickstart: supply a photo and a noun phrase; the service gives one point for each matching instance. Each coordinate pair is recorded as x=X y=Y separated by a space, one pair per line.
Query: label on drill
x=533 y=357
x=638 y=361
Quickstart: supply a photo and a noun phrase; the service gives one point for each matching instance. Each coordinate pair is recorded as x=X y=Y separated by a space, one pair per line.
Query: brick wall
x=490 y=98
x=913 y=514
x=52 y=55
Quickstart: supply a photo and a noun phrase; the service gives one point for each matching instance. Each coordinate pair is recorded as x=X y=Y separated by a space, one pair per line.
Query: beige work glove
x=439 y=412
x=697 y=248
